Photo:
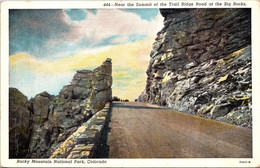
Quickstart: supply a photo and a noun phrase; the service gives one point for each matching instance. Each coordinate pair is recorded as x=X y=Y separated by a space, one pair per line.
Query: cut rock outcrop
x=201 y=64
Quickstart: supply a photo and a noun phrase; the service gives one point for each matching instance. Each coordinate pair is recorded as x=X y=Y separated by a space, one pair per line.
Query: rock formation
x=40 y=125
x=201 y=64
x=19 y=124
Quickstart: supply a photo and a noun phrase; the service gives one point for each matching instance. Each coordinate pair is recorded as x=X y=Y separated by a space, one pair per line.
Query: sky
x=47 y=47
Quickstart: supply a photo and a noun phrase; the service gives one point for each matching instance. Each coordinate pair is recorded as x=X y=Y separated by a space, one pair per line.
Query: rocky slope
x=201 y=64
x=38 y=126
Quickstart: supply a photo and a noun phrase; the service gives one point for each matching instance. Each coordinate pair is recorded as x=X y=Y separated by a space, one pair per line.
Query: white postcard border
x=6 y=162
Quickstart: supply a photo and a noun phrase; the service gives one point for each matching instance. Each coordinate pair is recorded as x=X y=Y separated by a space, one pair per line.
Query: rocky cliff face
x=40 y=125
x=19 y=124
x=201 y=64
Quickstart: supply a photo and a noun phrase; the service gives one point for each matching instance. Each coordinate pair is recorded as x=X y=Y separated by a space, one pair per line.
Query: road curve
x=139 y=130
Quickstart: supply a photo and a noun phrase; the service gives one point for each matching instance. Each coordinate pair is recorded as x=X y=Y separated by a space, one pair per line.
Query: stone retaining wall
x=83 y=143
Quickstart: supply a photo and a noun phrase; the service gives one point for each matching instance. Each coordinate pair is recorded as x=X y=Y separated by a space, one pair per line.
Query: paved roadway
x=139 y=130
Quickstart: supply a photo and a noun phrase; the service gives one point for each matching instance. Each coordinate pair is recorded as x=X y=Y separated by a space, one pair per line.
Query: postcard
x=130 y=84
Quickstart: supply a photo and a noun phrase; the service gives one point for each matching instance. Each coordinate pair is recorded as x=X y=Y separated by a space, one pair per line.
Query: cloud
x=47 y=33
x=46 y=21
x=31 y=29
x=106 y=23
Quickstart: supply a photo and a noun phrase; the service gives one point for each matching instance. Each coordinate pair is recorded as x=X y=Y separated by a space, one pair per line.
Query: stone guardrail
x=83 y=143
